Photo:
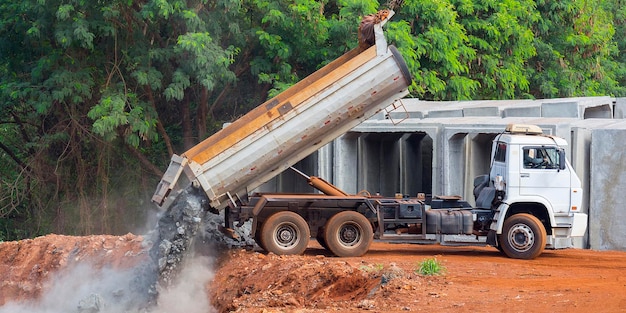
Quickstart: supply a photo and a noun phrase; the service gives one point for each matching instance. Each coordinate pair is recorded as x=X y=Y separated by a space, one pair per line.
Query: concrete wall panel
x=532 y=111
x=346 y=159
x=560 y=109
x=481 y=111
x=602 y=111
x=620 y=108
x=607 y=199
x=445 y=113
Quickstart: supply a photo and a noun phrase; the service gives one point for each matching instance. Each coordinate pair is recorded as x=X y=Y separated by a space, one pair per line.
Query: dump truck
x=530 y=200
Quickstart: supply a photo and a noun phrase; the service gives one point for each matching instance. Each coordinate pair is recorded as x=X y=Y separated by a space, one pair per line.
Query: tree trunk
x=144 y=161
x=201 y=113
x=218 y=101
x=15 y=158
x=265 y=90
x=159 y=125
x=188 y=141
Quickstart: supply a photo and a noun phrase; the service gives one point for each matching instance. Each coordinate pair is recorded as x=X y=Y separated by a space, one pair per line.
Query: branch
x=218 y=101
x=160 y=128
x=144 y=161
x=17 y=160
x=22 y=131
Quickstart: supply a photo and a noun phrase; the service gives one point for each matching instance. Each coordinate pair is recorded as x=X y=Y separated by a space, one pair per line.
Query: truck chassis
x=347 y=224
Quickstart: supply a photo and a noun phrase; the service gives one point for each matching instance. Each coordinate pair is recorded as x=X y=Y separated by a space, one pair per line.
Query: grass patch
x=375 y=268
x=430 y=267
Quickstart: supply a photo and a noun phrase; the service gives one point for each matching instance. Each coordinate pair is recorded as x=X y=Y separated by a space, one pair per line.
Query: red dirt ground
x=27 y=265
x=475 y=279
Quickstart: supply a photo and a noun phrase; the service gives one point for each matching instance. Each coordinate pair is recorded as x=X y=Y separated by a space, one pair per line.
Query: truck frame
x=530 y=200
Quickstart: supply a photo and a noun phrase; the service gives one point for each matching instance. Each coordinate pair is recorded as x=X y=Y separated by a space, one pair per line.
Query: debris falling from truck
x=185 y=228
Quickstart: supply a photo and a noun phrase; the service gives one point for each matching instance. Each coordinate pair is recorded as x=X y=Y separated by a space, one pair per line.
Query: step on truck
x=521 y=207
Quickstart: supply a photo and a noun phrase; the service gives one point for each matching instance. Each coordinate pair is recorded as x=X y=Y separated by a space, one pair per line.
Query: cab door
x=541 y=176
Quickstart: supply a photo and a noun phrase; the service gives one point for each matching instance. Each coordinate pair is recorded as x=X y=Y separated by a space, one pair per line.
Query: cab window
x=541 y=157
x=500 y=155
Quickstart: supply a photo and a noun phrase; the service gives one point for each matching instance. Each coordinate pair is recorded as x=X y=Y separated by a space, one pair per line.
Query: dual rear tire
x=284 y=233
x=346 y=234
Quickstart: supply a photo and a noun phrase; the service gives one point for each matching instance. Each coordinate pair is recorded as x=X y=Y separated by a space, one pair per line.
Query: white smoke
x=85 y=289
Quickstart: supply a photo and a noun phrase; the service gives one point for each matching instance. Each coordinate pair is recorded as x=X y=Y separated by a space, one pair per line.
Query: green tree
x=500 y=32
x=576 y=50
x=97 y=94
x=42 y=91
x=84 y=86
x=471 y=49
x=618 y=8
x=436 y=47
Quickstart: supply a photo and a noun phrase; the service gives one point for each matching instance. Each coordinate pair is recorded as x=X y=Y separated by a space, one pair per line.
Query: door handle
x=524 y=175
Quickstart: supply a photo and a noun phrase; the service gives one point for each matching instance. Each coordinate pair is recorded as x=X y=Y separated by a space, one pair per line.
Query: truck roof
x=532 y=139
x=527 y=134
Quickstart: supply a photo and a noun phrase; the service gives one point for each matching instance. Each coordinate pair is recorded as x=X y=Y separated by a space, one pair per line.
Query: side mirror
x=561 y=159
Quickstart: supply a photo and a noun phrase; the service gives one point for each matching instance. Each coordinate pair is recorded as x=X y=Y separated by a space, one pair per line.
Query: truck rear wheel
x=523 y=237
x=348 y=234
x=285 y=233
x=321 y=240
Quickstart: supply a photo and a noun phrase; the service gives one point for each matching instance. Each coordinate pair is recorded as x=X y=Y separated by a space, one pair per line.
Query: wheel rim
x=287 y=235
x=521 y=237
x=350 y=234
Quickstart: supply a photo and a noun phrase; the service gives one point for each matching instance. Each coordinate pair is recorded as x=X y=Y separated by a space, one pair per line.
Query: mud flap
x=492 y=238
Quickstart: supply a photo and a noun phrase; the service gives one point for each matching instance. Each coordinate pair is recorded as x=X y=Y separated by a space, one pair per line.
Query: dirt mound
x=26 y=266
x=386 y=280
x=252 y=280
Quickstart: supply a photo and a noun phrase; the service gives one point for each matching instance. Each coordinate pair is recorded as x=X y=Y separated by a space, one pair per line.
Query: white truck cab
x=536 y=184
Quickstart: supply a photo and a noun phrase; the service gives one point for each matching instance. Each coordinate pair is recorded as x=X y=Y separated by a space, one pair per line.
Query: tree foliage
x=577 y=50
x=95 y=96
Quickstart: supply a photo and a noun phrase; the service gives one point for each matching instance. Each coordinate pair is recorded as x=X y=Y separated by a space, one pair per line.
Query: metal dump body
x=292 y=125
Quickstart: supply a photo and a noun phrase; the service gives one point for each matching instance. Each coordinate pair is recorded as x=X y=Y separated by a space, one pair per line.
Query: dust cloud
x=85 y=289
x=188 y=293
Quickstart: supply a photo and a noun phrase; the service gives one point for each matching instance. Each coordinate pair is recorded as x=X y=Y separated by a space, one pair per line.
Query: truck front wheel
x=285 y=233
x=523 y=237
x=348 y=234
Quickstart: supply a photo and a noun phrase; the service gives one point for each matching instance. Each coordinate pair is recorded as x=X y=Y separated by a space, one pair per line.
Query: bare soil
x=383 y=280
x=27 y=266
x=474 y=280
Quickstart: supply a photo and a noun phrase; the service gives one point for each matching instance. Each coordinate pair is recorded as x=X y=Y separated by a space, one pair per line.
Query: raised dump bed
x=292 y=125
